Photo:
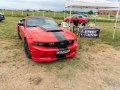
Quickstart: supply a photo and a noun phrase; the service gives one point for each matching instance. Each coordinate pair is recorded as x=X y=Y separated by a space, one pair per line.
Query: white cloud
x=32 y=4
x=35 y=4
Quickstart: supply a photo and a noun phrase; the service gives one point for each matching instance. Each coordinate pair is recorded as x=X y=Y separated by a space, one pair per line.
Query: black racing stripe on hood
x=60 y=37
x=50 y=28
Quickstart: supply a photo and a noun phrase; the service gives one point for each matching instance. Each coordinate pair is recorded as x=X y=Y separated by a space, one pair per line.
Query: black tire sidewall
x=19 y=35
x=83 y=24
x=26 y=48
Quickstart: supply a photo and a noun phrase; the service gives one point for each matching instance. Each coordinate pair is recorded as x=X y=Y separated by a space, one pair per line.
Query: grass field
x=19 y=13
x=96 y=66
x=54 y=14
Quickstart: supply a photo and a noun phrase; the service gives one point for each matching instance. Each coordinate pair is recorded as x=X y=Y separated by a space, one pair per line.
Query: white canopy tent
x=95 y=4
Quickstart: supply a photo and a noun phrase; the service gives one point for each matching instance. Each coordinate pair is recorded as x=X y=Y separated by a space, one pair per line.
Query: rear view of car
x=45 y=41
x=81 y=19
x=86 y=15
x=2 y=17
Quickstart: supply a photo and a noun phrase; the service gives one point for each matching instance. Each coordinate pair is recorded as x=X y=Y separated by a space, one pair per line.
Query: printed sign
x=89 y=33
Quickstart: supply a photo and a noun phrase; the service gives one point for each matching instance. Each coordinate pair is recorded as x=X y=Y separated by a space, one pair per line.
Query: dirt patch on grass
x=96 y=67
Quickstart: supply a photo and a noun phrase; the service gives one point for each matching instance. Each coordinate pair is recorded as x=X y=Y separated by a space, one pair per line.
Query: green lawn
x=16 y=13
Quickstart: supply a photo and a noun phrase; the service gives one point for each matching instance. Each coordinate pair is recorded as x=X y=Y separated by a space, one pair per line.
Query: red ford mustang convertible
x=44 y=40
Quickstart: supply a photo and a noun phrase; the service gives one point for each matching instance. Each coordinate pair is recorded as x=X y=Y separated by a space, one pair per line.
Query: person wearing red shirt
x=75 y=24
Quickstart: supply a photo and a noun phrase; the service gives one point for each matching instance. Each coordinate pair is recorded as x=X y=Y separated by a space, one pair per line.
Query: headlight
x=44 y=44
x=38 y=43
x=70 y=42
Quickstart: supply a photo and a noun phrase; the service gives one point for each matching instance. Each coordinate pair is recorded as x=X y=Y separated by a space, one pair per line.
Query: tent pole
x=3 y=11
x=95 y=19
x=117 y=15
x=33 y=13
x=54 y=14
x=43 y=13
x=109 y=16
x=22 y=13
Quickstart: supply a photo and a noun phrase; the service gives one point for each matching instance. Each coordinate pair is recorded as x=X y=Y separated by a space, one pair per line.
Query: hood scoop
x=51 y=28
x=54 y=30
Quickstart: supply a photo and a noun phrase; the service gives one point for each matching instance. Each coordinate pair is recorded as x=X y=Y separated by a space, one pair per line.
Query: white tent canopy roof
x=92 y=4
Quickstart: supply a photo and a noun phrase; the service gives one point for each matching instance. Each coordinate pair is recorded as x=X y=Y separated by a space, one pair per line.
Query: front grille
x=62 y=44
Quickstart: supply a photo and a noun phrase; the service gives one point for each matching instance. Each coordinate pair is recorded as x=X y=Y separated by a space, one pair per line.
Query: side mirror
x=21 y=23
x=59 y=24
x=64 y=24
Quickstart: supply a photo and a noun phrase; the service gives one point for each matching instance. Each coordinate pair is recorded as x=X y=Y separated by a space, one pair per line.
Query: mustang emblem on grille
x=62 y=43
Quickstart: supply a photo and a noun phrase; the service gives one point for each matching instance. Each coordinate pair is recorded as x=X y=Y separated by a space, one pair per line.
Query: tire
x=26 y=48
x=19 y=35
x=83 y=24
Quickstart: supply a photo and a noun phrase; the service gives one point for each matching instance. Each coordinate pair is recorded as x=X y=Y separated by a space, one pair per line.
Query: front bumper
x=43 y=54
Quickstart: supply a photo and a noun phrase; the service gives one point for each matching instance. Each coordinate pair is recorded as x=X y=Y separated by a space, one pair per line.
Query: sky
x=34 y=4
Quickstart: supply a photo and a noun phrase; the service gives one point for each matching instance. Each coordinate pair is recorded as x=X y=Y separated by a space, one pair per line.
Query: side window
x=79 y=16
x=73 y=16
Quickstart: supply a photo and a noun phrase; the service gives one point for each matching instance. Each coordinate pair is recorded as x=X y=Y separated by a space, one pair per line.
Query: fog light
x=70 y=42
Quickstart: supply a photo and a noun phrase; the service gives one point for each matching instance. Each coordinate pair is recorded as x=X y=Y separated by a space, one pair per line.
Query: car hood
x=50 y=28
x=50 y=35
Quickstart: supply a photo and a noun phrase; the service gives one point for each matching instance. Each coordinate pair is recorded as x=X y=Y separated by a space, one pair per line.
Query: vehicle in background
x=81 y=18
x=2 y=17
x=45 y=40
x=86 y=15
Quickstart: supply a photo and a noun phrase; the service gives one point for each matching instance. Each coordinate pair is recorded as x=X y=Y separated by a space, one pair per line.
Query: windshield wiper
x=32 y=26
x=54 y=30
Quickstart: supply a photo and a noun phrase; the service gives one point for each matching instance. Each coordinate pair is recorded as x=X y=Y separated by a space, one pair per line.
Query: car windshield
x=48 y=24
x=40 y=21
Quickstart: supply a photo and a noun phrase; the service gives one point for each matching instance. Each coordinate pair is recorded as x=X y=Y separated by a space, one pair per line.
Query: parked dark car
x=2 y=17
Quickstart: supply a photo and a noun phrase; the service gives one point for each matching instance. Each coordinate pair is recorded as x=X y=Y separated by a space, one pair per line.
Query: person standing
x=27 y=14
x=75 y=24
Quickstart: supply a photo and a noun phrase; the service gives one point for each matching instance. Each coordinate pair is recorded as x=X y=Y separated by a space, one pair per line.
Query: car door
x=73 y=18
x=80 y=19
x=22 y=28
